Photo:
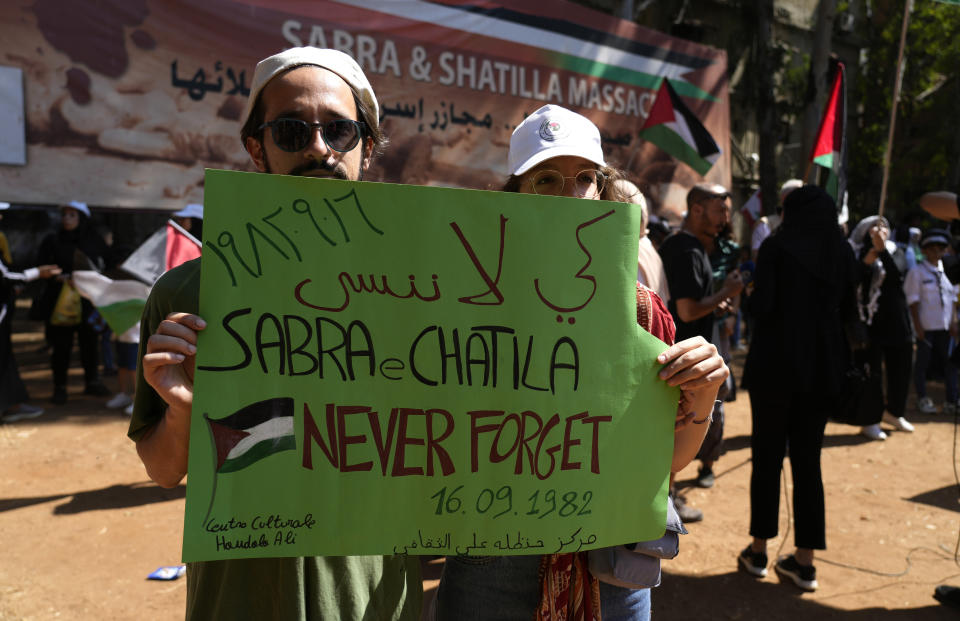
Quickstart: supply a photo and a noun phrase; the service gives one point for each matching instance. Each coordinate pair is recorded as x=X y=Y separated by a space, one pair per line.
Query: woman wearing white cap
x=557 y=152
x=59 y=249
x=190 y=218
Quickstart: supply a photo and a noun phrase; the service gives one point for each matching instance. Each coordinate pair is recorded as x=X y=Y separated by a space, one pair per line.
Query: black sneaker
x=97 y=389
x=947 y=595
x=705 y=478
x=754 y=563
x=59 y=395
x=804 y=576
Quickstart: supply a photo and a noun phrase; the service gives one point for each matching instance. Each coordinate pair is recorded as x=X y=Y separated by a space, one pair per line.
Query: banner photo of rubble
x=126 y=102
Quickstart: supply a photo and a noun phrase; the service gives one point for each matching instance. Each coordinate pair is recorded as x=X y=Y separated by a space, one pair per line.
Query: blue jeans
x=935 y=344
x=507 y=588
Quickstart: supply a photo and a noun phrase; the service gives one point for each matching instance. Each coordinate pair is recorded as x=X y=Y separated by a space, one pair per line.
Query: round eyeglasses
x=588 y=183
x=294 y=135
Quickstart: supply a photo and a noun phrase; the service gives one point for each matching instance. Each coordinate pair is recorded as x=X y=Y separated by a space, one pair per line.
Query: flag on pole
x=119 y=302
x=830 y=148
x=752 y=210
x=252 y=433
x=164 y=250
x=672 y=127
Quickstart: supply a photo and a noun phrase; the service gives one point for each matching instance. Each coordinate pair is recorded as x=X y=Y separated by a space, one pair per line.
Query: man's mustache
x=336 y=171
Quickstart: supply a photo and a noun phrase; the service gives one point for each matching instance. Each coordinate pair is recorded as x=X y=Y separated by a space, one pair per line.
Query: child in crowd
x=931 y=298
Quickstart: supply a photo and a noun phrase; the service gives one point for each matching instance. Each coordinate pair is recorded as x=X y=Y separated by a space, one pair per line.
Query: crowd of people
x=68 y=316
x=819 y=312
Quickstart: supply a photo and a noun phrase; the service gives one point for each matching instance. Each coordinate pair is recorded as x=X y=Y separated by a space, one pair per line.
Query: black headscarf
x=60 y=248
x=810 y=234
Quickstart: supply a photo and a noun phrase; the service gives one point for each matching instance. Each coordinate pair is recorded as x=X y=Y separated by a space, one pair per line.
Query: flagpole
x=908 y=6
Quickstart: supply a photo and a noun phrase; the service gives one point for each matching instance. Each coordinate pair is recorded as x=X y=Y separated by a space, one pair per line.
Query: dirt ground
x=81 y=526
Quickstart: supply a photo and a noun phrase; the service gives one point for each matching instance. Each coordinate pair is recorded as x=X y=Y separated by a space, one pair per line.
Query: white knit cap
x=553 y=131
x=332 y=60
x=789 y=186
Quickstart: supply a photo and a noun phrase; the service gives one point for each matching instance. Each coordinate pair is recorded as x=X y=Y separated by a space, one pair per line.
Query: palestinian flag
x=164 y=250
x=752 y=210
x=830 y=148
x=119 y=302
x=672 y=127
x=253 y=432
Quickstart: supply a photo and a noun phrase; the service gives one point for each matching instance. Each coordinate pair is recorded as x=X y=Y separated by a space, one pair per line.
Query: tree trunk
x=817 y=89
x=953 y=176
x=766 y=106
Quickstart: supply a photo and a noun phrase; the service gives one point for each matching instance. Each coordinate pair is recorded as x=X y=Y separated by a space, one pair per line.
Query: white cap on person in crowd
x=79 y=206
x=789 y=186
x=332 y=60
x=193 y=210
x=553 y=131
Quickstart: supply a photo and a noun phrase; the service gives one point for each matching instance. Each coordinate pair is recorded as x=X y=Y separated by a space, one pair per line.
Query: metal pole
x=908 y=6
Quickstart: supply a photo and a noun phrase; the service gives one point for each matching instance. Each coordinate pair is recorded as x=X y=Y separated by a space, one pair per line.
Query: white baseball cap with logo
x=553 y=131
x=332 y=60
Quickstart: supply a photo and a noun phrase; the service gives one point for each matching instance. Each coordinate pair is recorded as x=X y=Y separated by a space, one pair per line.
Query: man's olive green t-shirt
x=369 y=588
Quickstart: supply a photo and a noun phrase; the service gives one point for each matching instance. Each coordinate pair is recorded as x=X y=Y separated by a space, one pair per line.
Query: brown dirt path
x=81 y=526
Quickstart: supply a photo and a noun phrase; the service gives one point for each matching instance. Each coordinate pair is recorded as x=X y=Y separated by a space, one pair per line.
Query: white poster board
x=13 y=142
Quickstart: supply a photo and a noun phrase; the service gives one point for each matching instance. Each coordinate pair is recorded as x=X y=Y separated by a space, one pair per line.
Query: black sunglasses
x=294 y=135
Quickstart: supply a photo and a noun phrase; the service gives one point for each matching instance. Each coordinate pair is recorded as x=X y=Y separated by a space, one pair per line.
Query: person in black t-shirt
x=686 y=260
x=693 y=301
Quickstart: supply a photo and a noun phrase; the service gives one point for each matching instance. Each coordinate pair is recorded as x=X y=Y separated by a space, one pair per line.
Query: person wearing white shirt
x=931 y=298
x=13 y=393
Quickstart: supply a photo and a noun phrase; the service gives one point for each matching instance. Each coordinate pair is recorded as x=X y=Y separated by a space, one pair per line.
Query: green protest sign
x=398 y=369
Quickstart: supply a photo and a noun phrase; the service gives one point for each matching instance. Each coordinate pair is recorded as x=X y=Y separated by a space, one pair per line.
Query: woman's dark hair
x=611 y=190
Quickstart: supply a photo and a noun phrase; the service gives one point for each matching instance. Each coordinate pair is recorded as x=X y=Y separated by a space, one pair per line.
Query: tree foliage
x=926 y=149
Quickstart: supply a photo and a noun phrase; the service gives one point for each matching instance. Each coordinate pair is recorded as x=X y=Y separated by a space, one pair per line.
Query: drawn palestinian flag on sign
x=672 y=127
x=252 y=433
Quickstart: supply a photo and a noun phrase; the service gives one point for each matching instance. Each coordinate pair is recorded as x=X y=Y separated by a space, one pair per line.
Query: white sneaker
x=128 y=410
x=897 y=422
x=119 y=400
x=949 y=408
x=926 y=406
x=873 y=432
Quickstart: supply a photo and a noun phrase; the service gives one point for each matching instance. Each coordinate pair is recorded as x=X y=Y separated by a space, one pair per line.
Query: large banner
x=401 y=369
x=129 y=100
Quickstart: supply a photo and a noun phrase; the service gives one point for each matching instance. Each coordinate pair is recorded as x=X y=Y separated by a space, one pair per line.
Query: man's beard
x=337 y=171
